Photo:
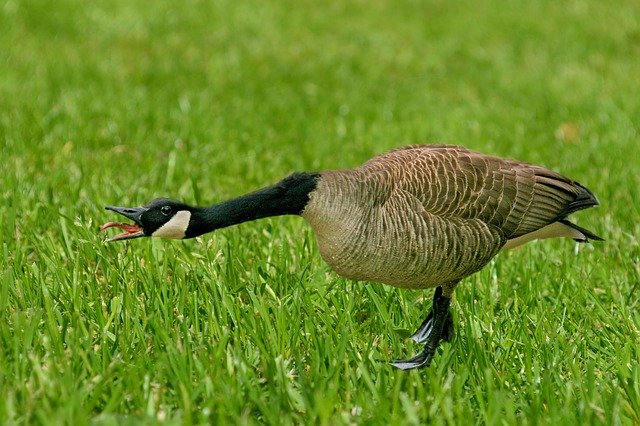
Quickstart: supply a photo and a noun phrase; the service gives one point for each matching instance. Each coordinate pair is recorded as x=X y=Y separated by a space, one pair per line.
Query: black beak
x=128 y=212
x=130 y=231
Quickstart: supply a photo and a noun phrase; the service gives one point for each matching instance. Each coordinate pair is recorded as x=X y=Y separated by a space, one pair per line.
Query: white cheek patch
x=176 y=227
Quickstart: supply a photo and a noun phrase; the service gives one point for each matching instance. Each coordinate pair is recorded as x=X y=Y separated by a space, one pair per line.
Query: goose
x=416 y=217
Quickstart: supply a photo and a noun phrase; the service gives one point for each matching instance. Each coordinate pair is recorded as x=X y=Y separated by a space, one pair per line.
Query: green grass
x=116 y=102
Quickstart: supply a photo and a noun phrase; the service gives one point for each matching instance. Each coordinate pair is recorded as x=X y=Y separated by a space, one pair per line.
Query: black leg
x=436 y=327
x=422 y=333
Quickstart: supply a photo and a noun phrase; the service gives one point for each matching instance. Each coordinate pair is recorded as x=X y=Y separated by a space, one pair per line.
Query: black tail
x=584 y=199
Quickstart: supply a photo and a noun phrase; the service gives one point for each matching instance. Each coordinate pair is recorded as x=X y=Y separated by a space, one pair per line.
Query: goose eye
x=165 y=210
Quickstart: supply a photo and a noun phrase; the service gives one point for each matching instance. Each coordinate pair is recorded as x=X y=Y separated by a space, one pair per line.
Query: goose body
x=416 y=217
x=425 y=215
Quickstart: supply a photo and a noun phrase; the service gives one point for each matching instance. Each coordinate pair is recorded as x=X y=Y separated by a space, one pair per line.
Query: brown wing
x=452 y=181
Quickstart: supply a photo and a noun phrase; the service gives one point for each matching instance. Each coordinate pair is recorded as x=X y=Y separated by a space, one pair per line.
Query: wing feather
x=452 y=181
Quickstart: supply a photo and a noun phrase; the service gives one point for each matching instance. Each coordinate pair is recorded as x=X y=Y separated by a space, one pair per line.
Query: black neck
x=289 y=196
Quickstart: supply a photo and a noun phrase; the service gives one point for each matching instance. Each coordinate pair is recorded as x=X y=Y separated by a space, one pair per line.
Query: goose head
x=161 y=217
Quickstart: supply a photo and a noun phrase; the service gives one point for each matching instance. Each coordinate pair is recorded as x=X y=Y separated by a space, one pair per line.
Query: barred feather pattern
x=425 y=215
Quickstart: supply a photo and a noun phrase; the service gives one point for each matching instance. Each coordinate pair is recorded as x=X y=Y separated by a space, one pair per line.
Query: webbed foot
x=423 y=359
x=436 y=327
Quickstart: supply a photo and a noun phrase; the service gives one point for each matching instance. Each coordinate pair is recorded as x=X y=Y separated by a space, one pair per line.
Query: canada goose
x=416 y=217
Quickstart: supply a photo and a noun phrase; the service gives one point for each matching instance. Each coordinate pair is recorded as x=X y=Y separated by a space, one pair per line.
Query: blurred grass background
x=117 y=102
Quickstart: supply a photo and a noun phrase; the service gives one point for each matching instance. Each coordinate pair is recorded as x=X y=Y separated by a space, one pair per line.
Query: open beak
x=131 y=230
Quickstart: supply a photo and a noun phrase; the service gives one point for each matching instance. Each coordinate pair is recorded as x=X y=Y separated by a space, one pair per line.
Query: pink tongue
x=124 y=226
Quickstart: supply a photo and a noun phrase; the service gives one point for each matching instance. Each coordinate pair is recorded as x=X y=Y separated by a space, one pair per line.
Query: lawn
x=117 y=102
